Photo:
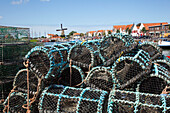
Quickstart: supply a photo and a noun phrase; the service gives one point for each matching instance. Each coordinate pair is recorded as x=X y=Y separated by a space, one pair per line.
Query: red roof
x=76 y=34
x=147 y=25
x=123 y=27
x=91 y=32
x=100 y=31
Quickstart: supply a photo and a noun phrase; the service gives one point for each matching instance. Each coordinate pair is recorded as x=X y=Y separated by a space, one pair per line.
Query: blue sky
x=81 y=15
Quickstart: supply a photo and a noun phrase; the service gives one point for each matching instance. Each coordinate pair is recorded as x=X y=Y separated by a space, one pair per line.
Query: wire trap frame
x=20 y=82
x=152 y=48
x=71 y=75
x=83 y=56
x=128 y=102
x=100 y=78
x=45 y=62
x=111 y=48
x=16 y=101
x=163 y=62
x=60 y=99
x=128 y=69
x=156 y=82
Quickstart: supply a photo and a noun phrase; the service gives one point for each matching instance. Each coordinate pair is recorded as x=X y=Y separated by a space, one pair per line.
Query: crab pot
x=61 y=99
x=44 y=62
x=71 y=79
x=156 y=82
x=100 y=78
x=152 y=48
x=164 y=63
x=59 y=46
x=83 y=56
x=127 y=101
x=128 y=69
x=20 y=82
x=111 y=48
x=94 y=44
x=16 y=101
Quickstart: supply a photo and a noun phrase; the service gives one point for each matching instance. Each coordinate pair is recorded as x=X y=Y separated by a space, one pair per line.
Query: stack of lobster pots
x=114 y=74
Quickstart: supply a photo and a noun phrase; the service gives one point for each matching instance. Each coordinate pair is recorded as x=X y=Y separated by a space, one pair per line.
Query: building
x=91 y=33
x=159 y=30
x=124 y=29
x=100 y=33
x=149 y=29
x=14 y=32
x=107 y=32
x=76 y=35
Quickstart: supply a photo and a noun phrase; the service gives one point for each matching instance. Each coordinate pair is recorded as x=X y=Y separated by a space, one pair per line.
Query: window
x=163 y=27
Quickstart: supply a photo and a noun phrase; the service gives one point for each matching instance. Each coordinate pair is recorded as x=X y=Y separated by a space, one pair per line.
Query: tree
x=109 y=32
x=129 y=31
x=118 y=31
x=72 y=32
x=99 y=34
x=143 y=30
x=169 y=27
x=104 y=33
x=81 y=34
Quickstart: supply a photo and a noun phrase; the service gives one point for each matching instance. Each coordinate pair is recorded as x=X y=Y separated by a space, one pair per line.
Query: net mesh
x=20 y=82
x=73 y=100
x=153 y=50
x=16 y=101
x=128 y=101
x=100 y=78
x=71 y=79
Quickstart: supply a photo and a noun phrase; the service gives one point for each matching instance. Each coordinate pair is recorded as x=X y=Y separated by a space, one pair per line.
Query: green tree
x=129 y=31
x=109 y=32
x=118 y=31
x=143 y=30
x=104 y=33
x=72 y=32
x=169 y=27
x=99 y=34
x=81 y=34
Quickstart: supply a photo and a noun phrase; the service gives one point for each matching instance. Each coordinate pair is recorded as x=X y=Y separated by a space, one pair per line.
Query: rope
x=165 y=90
x=70 y=72
x=28 y=104
x=84 y=79
x=7 y=106
x=120 y=56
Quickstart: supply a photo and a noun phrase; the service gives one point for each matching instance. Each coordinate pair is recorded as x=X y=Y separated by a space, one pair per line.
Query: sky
x=45 y=16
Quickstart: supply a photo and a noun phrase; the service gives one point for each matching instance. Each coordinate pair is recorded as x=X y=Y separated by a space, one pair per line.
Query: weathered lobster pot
x=20 y=82
x=156 y=82
x=83 y=56
x=16 y=101
x=112 y=47
x=44 y=62
x=163 y=62
x=130 y=67
x=128 y=102
x=60 y=99
x=100 y=78
x=152 y=48
x=71 y=75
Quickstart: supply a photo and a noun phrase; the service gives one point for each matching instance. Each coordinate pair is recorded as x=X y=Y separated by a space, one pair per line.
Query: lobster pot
x=165 y=63
x=16 y=101
x=71 y=79
x=94 y=44
x=20 y=82
x=129 y=102
x=156 y=82
x=128 y=69
x=59 y=99
x=44 y=62
x=111 y=48
x=152 y=48
x=67 y=45
x=129 y=40
x=59 y=46
x=83 y=56
x=100 y=78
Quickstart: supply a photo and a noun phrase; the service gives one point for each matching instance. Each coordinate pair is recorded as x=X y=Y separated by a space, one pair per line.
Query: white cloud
x=45 y=0
x=1 y=17
x=18 y=2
